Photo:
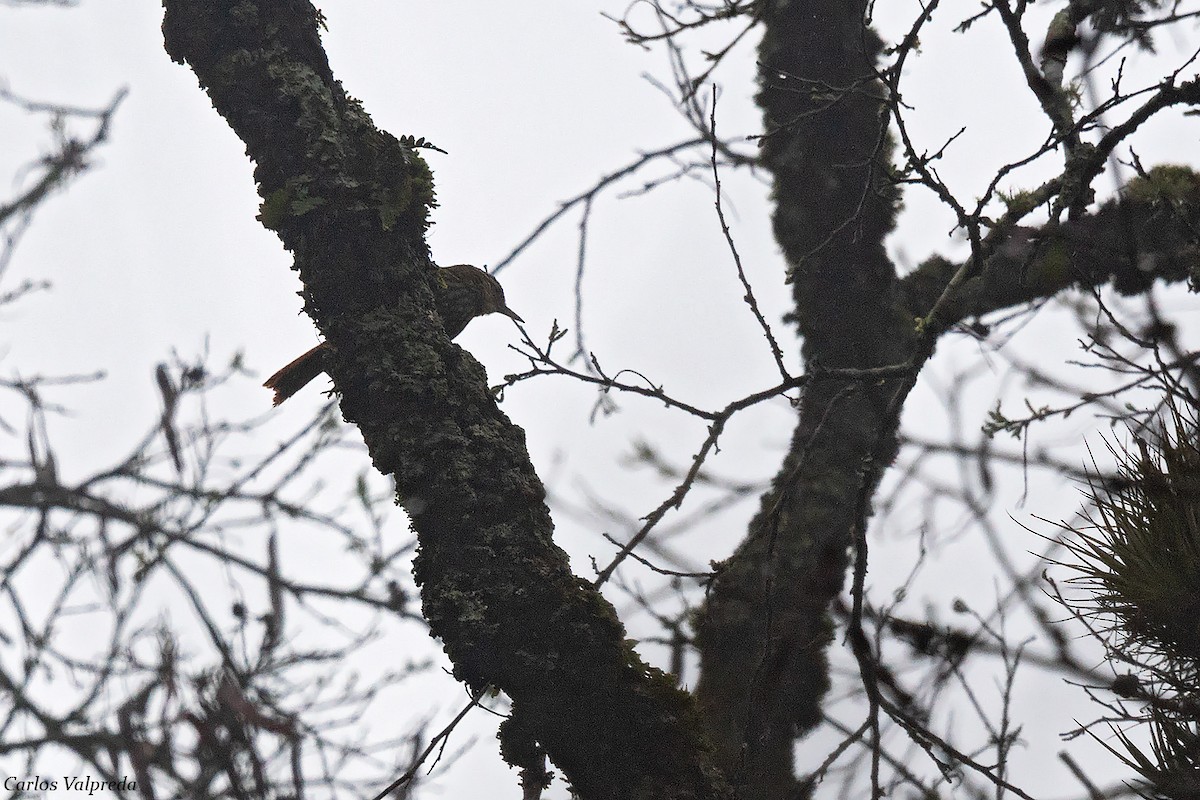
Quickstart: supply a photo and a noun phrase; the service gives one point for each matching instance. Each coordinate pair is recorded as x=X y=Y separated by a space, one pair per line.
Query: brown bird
x=460 y=294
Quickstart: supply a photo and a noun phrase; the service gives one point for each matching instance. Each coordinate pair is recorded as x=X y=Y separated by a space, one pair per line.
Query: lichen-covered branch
x=351 y=203
x=764 y=630
x=1152 y=232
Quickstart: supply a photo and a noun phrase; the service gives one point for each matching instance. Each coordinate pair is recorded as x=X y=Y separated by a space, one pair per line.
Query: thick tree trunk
x=351 y=202
x=765 y=628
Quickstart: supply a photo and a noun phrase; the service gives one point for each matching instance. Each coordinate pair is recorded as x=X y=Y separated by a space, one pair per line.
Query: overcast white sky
x=158 y=246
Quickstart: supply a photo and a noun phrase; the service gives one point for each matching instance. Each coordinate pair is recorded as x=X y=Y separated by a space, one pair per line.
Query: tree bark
x=351 y=203
x=764 y=630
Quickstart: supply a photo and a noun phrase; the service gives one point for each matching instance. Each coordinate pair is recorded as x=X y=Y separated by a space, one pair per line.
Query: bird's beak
x=508 y=312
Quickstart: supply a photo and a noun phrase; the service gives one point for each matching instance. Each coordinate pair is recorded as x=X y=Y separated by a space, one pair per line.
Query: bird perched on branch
x=460 y=294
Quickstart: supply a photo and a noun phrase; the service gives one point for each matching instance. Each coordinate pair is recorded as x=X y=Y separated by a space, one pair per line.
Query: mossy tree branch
x=351 y=203
x=1151 y=233
x=765 y=628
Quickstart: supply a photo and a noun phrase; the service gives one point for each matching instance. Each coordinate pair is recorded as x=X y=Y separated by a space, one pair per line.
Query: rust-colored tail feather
x=296 y=375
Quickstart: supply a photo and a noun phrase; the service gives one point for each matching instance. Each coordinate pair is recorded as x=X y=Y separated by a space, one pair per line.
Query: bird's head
x=493 y=299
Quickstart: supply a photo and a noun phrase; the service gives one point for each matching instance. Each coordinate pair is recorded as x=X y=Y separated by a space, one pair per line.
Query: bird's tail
x=296 y=375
